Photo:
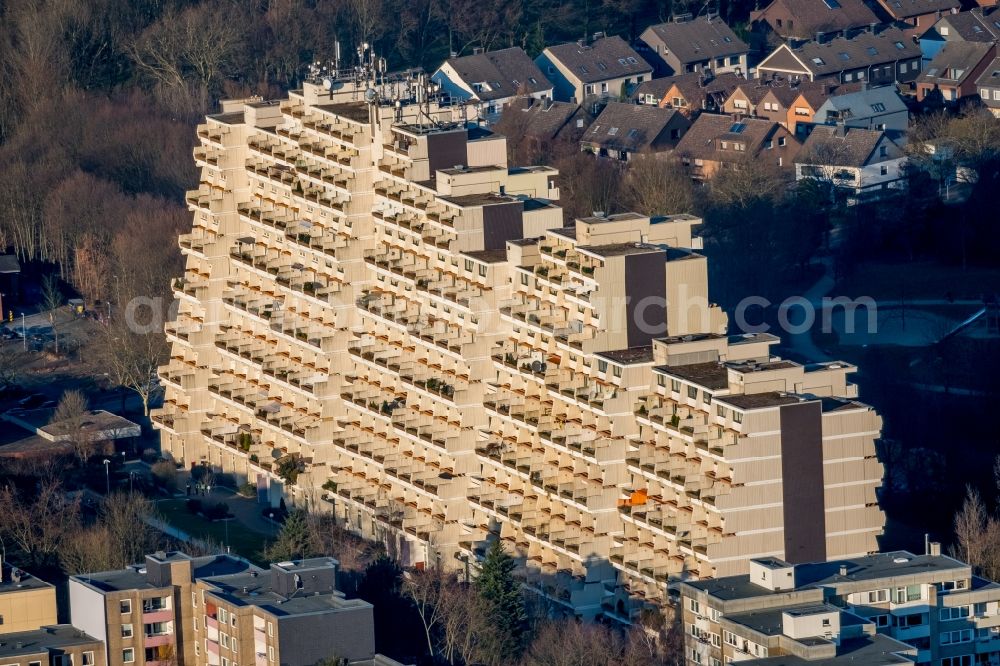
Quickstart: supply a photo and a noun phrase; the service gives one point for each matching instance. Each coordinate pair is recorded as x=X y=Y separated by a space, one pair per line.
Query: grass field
x=242 y=541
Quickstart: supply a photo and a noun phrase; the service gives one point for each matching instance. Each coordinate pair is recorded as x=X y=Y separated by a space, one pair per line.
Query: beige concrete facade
x=26 y=603
x=930 y=605
x=380 y=302
x=221 y=611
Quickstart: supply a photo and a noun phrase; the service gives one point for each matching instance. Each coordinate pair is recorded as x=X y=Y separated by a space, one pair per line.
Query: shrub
x=193 y=506
x=165 y=473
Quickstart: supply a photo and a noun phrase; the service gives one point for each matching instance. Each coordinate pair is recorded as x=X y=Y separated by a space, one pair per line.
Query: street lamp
x=107 y=475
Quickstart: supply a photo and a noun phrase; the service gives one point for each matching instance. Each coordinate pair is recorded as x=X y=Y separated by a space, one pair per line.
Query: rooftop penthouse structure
x=381 y=318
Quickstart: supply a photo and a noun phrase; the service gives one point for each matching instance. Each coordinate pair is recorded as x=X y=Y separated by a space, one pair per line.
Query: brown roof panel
x=603 y=59
x=813 y=16
x=696 y=40
x=507 y=72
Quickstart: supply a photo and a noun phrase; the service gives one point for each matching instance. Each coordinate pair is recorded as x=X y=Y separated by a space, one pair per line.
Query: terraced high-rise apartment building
x=381 y=318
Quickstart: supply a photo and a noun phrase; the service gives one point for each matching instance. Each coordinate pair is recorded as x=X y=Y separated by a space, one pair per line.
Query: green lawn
x=242 y=541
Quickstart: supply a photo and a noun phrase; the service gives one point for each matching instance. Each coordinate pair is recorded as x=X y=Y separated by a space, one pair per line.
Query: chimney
x=935 y=549
x=841 y=130
x=843 y=570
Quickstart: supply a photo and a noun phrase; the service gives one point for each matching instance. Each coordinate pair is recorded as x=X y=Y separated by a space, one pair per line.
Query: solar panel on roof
x=831 y=4
x=737 y=128
x=872 y=51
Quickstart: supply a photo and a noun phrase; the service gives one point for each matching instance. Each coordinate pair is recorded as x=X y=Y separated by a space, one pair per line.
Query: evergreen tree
x=502 y=604
x=294 y=541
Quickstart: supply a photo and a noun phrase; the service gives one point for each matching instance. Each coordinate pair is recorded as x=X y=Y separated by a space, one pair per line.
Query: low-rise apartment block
x=885 y=608
x=222 y=611
x=26 y=602
x=382 y=319
x=53 y=645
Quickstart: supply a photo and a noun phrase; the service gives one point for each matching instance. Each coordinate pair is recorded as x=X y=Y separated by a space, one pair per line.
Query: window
x=270 y=651
x=880 y=620
x=616 y=370
x=959 y=660
x=604 y=87
x=675 y=385
x=194 y=598
x=224 y=640
x=482 y=270
x=602 y=366
x=588 y=89
x=694 y=606
x=883 y=170
x=707 y=397
x=128 y=655
x=88 y=659
x=781 y=141
x=720 y=411
x=956 y=613
x=661 y=380
x=692 y=392
x=524 y=278
x=126 y=631
x=801 y=111
x=125 y=606
x=826 y=622
x=612 y=131
x=270 y=630
x=468 y=265
x=996 y=95
x=878 y=596
x=943 y=30
x=955 y=637
x=195 y=623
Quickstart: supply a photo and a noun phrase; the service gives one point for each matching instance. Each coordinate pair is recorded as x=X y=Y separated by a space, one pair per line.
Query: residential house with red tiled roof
x=955 y=70
x=715 y=142
x=491 y=80
x=593 y=72
x=916 y=16
x=882 y=57
x=797 y=21
x=623 y=130
x=688 y=93
x=854 y=161
x=695 y=45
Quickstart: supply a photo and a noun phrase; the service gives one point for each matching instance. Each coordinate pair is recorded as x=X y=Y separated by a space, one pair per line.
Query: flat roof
x=26 y=582
x=472 y=200
x=760 y=400
x=248 y=589
x=356 y=111
x=616 y=217
x=630 y=356
x=760 y=366
x=769 y=621
x=134 y=577
x=711 y=375
x=823 y=574
x=620 y=249
x=230 y=118
x=487 y=256
x=59 y=636
x=877 y=650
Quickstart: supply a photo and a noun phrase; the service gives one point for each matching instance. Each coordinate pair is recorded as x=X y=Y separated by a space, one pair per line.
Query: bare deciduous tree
x=69 y=417
x=132 y=349
x=656 y=186
x=41 y=525
x=52 y=300
x=428 y=590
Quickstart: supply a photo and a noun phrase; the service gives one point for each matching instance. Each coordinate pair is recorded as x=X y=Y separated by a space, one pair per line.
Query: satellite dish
x=370 y=95
x=328 y=83
x=537 y=366
x=277 y=453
